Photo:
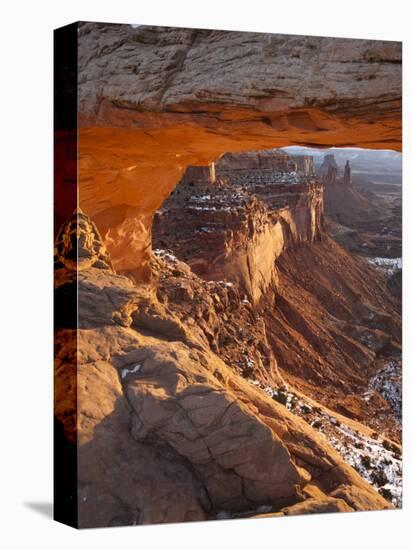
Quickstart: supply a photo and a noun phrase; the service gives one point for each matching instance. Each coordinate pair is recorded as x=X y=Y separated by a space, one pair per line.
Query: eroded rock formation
x=167 y=431
x=304 y=164
x=254 y=238
x=79 y=245
x=173 y=390
x=271 y=160
x=365 y=222
x=154 y=100
x=347 y=175
x=259 y=207
x=329 y=170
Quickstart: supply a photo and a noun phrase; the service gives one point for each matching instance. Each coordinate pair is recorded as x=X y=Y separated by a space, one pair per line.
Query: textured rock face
x=167 y=431
x=280 y=341
x=273 y=160
x=79 y=245
x=155 y=100
x=200 y=175
x=219 y=315
x=304 y=164
x=240 y=230
x=329 y=170
x=332 y=321
x=259 y=239
x=243 y=246
x=199 y=71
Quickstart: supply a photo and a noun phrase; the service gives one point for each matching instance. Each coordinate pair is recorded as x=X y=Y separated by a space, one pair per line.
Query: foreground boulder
x=167 y=432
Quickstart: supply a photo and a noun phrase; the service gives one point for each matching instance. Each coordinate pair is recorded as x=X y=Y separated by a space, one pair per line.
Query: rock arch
x=154 y=100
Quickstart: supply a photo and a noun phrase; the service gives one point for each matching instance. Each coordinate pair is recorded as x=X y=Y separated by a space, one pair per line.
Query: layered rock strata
x=263 y=163
x=274 y=160
x=239 y=230
x=167 y=431
x=259 y=239
x=304 y=164
x=155 y=100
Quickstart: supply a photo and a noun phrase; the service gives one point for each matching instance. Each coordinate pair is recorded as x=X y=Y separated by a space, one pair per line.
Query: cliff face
x=154 y=100
x=167 y=430
x=266 y=240
x=304 y=164
x=240 y=230
x=329 y=170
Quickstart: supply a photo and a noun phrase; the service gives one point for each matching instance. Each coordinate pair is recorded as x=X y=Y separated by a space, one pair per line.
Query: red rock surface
x=243 y=379
x=243 y=222
x=167 y=431
x=327 y=315
x=154 y=100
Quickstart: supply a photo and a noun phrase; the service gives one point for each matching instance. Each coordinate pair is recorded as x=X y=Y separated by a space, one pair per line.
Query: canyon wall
x=166 y=430
x=304 y=164
x=154 y=100
x=271 y=159
x=227 y=231
x=264 y=241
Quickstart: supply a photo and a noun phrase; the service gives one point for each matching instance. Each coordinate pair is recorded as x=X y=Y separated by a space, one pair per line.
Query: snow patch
x=126 y=371
x=386 y=265
x=378 y=461
x=164 y=255
x=388 y=382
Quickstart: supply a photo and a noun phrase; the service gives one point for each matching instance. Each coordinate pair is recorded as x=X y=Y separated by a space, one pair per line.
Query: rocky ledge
x=242 y=220
x=167 y=430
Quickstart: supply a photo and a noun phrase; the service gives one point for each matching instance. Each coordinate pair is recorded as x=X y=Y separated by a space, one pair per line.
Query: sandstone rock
x=358 y=500
x=325 y=341
x=304 y=164
x=179 y=73
x=122 y=481
x=312 y=491
x=274 y=160
x=168 y=432
x=243 y=225
x=319 y=289
x=318 y=506
x=79 y=245
x=217 y=315
x=238 y=459
x=145 y=93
